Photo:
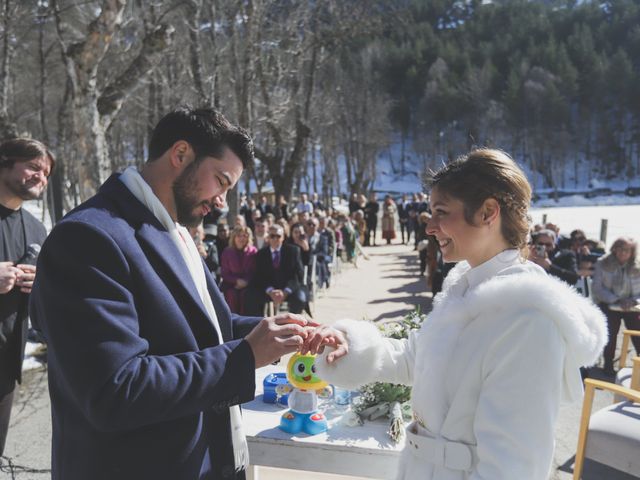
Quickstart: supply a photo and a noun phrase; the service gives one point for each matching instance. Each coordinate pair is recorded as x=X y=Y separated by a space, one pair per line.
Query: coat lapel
x=220 y=306
x=164 y=256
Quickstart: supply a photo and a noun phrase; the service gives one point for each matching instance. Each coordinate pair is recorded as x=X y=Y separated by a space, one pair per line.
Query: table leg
x=252 y=473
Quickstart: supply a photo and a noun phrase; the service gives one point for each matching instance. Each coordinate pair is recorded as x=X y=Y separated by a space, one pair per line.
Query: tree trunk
x=8 y=128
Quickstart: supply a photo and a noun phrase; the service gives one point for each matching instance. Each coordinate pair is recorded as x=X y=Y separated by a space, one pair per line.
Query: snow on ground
x=622 y=219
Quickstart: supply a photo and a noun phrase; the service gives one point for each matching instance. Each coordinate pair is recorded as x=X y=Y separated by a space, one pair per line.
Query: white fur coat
x=488 y=369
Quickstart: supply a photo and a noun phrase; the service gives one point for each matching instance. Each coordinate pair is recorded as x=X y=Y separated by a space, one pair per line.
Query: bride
x=501 y=348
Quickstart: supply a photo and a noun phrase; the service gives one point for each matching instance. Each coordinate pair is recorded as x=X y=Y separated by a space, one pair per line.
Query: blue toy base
x=311 y=423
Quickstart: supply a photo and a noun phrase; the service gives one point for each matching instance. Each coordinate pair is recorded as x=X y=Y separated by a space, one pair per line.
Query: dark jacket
x=289 y=275
x=371 y=210
x=140 y=383
x=564 y=265
x=13 y=305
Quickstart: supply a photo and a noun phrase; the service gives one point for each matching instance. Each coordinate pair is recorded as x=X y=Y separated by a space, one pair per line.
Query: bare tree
x=8 y=128
x=94 y=108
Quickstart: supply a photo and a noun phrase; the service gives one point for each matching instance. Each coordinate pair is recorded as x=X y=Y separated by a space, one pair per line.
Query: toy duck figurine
x=303 y=415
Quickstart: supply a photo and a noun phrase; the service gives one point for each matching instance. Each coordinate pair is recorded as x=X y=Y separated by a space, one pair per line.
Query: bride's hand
x=325 y=335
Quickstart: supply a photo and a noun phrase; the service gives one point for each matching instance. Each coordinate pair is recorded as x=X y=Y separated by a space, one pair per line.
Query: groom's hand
x=275 y=336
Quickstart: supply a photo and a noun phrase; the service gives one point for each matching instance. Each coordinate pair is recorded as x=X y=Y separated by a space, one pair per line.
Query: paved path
x=384 y=287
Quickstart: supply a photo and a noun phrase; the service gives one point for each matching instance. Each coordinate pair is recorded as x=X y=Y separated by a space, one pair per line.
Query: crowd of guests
x=285 y=251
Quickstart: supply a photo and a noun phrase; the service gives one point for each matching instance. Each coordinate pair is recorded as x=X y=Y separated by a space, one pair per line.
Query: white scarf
x=187 y=248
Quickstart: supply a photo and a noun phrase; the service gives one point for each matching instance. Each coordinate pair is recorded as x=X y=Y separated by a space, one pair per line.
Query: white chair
x=611 y=436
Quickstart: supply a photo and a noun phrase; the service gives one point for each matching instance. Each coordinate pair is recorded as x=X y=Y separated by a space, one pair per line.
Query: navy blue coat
x=140 y=384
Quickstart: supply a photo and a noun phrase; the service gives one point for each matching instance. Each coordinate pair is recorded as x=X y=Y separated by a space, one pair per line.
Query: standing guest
x=354 y=204
x=261 y=229
x=221 y=240
x=403 y=218
x=212 y=259
x=348 y=234
x=197 y=235
x=412 y=216
x=616 y=287
x=246 y=208
x=147 y=366
x=388 y=219
x=360 y=225
x=25 y=166
x=281 y=209
x=238 y=267
x=264 y=206
x=304 y=205
x=422 y=204
x=317 y=203
x=500 y=326
x=255 y=216
x=422 y=240
x=371 y=217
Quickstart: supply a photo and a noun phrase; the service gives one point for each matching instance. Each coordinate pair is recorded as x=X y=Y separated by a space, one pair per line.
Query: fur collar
x=526 y=286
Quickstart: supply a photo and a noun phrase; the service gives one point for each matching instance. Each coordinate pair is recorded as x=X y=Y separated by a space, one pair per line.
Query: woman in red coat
x=238 y=264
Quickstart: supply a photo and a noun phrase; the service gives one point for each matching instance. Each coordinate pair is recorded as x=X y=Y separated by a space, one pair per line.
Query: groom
x=147 y=365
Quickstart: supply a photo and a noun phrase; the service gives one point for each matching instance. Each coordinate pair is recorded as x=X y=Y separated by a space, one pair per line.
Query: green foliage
x=550 y=69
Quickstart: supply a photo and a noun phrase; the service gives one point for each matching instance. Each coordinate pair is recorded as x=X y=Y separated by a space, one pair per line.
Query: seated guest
x=271 y=218
x=285 y=226
x=278 y=276
x=337 y=236
x=238 y=267
x=616 y=288
x=240 y=221
x=299 y=239
x=320 y=249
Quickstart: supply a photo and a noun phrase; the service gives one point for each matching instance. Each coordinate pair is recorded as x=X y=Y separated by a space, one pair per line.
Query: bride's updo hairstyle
x=488 y=173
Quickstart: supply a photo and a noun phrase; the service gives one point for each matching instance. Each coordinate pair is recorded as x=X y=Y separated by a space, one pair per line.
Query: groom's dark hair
x=206 y=130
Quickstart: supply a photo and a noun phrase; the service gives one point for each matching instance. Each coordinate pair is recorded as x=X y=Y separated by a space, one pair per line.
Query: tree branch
x=154 y=43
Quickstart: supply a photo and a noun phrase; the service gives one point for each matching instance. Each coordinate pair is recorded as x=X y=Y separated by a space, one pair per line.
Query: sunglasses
x=274 y=235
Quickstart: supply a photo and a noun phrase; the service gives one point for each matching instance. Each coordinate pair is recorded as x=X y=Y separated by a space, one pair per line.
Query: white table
x=365 y=451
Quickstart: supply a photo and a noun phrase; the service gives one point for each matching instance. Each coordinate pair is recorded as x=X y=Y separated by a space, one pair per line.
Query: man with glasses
x=278 y=276
x=561 y=263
